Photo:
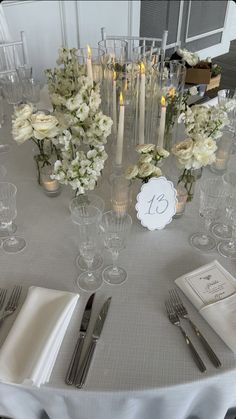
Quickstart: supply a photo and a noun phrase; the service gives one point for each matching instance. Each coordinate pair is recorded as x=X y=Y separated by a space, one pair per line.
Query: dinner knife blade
x=97 y=330
x=73 y=366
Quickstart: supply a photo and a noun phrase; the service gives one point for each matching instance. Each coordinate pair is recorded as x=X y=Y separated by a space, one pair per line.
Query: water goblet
x=228 y=248
x=8 y=213
x=211 y=199
x=115 y=229
x=31 y=90
x=96 y=201
x=87 y=218
x=12 y=89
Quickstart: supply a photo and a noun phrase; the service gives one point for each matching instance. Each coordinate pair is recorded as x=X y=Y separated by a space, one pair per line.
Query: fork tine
x=175 y=296
x=3 y=293
x=14 y=297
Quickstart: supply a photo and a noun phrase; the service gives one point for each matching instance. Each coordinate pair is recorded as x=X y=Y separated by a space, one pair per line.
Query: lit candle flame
x=171 y=92
x=126 y=85
x=121 y=99
x=163 y=101
x=89 y=51
x=114 y=75
x=142 y=68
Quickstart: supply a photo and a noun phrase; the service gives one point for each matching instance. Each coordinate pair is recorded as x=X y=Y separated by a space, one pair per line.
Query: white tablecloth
x=141 y=368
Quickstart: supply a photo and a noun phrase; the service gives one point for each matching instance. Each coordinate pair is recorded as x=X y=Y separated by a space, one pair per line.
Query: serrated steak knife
x=72 y=370
x=83 y=370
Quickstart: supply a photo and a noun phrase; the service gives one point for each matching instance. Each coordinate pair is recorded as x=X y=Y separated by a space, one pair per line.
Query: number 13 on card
x=156 y=203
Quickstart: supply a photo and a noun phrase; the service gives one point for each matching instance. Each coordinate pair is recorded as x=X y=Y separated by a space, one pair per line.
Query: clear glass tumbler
x=13 y=90
x=87 y=218
x=115 y=230
x=8 y=213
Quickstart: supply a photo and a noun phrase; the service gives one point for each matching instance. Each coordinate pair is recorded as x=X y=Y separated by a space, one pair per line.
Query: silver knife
x=72 y=370
x=83 y=370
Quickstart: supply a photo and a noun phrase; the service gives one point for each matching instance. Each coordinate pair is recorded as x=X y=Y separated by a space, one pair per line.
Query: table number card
x=156 y=203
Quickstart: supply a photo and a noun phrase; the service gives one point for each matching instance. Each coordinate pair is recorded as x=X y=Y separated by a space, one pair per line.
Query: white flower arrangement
x=147 y=165
x=76 y=101
x=203 y=127
x=191 y=58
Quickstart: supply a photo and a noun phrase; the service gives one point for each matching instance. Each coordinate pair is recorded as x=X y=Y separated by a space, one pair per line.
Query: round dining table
x=141 y=368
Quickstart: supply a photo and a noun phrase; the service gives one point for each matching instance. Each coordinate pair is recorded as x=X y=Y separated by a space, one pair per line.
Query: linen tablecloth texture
x=141 y=368
x=30 y=350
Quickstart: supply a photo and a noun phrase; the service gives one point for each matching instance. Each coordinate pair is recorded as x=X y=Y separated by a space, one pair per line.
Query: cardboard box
x=198 y=75
x=214 y=82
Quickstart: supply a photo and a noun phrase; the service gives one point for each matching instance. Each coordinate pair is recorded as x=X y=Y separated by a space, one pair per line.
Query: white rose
x=203 y=151
x=183 y=150
x=193 y=91
x=157 y=172
x=145 y=170
x=24 y=111
x=145 y=158
x=162 y=152
x=21 y=130
x=145 y=148
x=45 y=126
x=131 y=172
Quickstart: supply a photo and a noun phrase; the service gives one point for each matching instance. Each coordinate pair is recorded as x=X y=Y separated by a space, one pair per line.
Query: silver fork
x=12 y=303
x=3 y=293
x=182 y=312
x=174 y=319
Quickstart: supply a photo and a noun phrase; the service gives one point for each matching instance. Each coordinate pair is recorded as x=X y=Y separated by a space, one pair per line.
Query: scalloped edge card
x=156 y=203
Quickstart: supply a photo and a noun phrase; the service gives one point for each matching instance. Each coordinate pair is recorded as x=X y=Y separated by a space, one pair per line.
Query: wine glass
x=211 y=200
x=8 y=213
x=87 y=218
x=31 y=90
x=96 y=201
x=115 y=229
x=228 y=248
x=13 y=90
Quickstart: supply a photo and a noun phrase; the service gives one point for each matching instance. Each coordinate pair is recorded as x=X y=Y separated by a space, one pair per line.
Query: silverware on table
x=174 y=319
x=12 y=303
x=83 y=370
x=3 y=293
x=182 y=312
x=73 y=366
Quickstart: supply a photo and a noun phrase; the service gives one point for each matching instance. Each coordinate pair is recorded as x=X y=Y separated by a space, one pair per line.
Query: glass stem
x=10 y=233
x=114 y=255
x=89 y=265
x=207 y=224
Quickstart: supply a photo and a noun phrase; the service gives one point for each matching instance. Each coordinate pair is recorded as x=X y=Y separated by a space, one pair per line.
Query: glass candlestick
x=120 y=194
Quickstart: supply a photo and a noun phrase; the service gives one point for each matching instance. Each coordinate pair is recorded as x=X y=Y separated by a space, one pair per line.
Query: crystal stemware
x=87 y=218
x=228 y=248
x=96 y=201
x=211 y=198
x=8 y=213
x=3 y=147
x=13 y=90
x=31 y=90
x=115 y=230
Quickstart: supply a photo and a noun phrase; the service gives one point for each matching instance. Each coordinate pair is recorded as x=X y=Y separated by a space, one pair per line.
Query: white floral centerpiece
x=202 y=126
x=150 y=156
x=76 y=101
x=28 y=124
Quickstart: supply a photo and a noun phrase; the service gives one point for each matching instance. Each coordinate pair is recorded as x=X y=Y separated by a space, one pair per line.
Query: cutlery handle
x=83 y=370
x=211 y=354
x=71 y=373
x=196 y=357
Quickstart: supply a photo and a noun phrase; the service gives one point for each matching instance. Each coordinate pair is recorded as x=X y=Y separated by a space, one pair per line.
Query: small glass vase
x=188 y=180
x=181 y=199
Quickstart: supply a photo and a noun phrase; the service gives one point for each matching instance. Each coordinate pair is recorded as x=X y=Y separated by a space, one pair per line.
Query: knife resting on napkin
x=30 y=350
x=212 y=290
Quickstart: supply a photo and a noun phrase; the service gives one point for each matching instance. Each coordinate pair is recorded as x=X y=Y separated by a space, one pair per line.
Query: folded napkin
x=30 y=350
x=212 y=290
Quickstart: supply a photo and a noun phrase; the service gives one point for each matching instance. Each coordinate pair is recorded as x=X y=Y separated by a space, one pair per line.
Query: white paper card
x=156 y=203
x=211 y=285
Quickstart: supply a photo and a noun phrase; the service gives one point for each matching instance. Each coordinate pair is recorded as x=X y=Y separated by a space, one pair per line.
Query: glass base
x=97 y=263
x=221 y=231
x=202 y=242
x=112 y=278
x=217 y=171
x=227 y=250
x=4 y=148
x=89 y=282
x=4 y=231
x=14 y=244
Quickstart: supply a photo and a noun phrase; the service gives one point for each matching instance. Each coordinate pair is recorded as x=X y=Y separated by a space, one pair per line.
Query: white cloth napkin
x=32 y=345
x=221 y=314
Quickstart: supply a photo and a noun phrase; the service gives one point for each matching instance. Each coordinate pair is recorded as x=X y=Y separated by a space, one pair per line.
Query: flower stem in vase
x=188 y=179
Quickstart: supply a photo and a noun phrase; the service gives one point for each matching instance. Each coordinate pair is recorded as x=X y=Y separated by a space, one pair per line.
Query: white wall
x=50 y=24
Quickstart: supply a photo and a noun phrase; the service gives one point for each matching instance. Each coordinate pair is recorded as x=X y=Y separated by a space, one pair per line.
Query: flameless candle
x=142 y=104
x=162 y=122
x=120 y=133
x=89 y=64
x=114 y=126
